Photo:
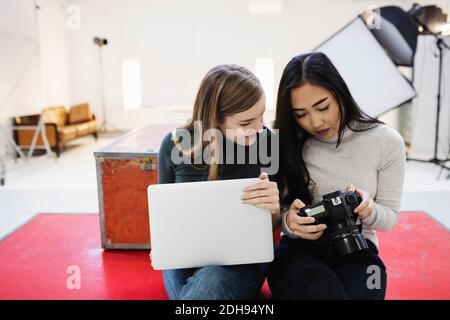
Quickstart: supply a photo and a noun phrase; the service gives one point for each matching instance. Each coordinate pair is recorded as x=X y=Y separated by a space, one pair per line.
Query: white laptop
x=196 y=224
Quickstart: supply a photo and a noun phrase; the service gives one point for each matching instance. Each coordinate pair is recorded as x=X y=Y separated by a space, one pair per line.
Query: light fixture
x=131 y=84
x=265 y=7
x=444 y=29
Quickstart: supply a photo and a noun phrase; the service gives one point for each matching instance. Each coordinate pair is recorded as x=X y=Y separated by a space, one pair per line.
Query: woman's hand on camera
x=301 y=225
x=367 y=205
x=263 y=194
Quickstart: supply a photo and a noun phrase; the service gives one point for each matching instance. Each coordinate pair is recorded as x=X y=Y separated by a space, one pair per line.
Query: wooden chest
x=125 y=169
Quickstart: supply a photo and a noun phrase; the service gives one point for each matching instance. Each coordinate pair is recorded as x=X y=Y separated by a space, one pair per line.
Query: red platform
x=35 y=258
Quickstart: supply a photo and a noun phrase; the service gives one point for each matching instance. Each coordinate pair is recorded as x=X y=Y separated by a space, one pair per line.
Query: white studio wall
x=175 y=48
x=33 y=59
x=52 y=19
x=20 y=72
x=176 y=42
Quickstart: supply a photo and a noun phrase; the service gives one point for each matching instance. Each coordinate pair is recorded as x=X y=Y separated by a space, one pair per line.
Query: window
x=131 y=84
x=264 y=70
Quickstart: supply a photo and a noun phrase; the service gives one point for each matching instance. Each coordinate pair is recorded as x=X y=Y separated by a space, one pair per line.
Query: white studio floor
x=69 y=185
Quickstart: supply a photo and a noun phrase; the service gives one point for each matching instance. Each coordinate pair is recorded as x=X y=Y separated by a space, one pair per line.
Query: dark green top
x=169 y=172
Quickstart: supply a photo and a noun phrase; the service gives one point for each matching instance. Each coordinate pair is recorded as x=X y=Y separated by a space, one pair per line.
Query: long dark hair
x=315 y=68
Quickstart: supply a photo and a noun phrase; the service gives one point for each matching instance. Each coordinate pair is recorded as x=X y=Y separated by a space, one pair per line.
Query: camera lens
x=351 y=198
x=352 y=242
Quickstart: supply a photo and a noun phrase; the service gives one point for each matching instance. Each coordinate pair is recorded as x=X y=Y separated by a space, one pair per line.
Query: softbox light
x=397 y=34
x=372 y=77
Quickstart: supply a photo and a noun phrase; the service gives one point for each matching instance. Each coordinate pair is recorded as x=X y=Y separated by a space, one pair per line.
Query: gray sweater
x=373 y=160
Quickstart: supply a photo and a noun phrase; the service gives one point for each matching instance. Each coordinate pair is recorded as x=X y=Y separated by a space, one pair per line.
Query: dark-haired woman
x=327 y=144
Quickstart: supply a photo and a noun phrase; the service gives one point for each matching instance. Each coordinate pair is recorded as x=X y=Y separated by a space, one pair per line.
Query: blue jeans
x=215 y=282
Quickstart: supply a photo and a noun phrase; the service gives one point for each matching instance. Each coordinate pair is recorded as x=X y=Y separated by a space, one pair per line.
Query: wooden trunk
x=125 y=169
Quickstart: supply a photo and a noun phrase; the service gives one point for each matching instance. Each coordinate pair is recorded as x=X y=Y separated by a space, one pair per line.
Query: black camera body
x=336 y=211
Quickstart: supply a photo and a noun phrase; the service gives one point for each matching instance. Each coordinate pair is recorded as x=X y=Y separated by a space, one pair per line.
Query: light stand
x=441 y=45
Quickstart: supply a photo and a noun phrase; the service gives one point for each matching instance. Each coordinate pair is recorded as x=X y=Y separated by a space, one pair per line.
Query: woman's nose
x=316 y=122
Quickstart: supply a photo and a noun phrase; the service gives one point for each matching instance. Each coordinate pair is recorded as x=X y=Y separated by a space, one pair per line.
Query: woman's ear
x=220 y=123
x=220 y=120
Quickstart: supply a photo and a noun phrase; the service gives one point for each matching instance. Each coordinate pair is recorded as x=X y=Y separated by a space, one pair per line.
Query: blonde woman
x=228 y=115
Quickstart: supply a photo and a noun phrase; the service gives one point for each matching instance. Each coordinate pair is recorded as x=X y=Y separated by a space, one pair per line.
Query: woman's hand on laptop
x=263 y=194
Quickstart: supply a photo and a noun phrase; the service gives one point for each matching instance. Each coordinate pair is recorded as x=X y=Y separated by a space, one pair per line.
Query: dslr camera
x=336 y=211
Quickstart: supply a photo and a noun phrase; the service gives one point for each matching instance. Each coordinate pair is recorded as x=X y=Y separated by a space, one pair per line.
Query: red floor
x=34 y=260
